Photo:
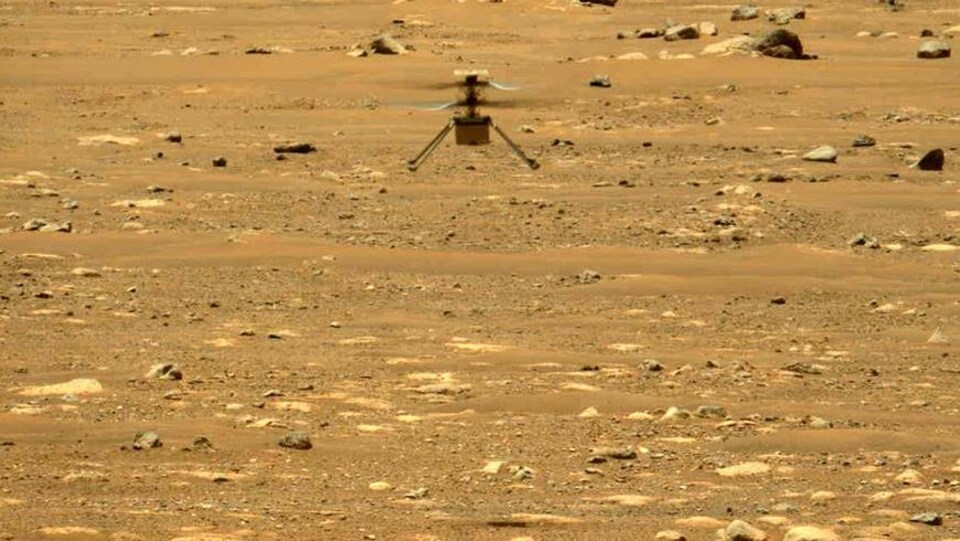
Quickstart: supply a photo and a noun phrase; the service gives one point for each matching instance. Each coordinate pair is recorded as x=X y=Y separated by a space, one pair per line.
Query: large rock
x=745 y=13
x=78 y=386
x=810 y=533
x=296 y=440
x=934 y=48
x=681 y=31
x=781 y=44
x=931 y=161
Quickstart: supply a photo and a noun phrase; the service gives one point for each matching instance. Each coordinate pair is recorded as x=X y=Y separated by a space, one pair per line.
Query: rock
x=785 y=15
x=930 y=519
x=600 y=81
x=864 y=141
x=358 y=53
x=708 y=28
x=909 y=477
x=747 y=468
x=739 y=530
x=934 y=49
x=610 y=3
x=386 y=44
x=652 y=365
x=745 y=13
x=711 y=411
x=380 y=486
x=776 y=43
x=682 y=31
x=862 y=239
x=647 y=33
x=173 y=137
x=296 y=440
x=201 y=443
x=670 y=535
x=619 y=453
x=824 y=153
x=738 y=44
x=167 y=371
x=926 y=33
x=295 y=148
x=146 y=440
x=219 y=161
x=931 y=161
x=86 y=273
x=810 y=533
x=79 y=386
x=588 y=276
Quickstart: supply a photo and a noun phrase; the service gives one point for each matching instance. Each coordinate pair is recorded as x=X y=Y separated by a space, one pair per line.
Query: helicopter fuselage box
x=472 y=130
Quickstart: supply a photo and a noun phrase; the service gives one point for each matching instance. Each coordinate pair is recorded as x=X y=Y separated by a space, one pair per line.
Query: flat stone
x=930 y=519
x=388 y=45
x=825 y=153
x=166 y=371
x=810 y=533
x=746 y=468
x=864 y=141
x=78 y=386
x=680 y=32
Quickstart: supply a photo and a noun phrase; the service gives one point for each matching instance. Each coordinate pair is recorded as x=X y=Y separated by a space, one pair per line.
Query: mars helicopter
x=471 y=127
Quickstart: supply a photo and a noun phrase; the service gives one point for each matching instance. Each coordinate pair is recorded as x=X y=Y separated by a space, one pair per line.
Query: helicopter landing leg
x=531 y=163
x=415 y=163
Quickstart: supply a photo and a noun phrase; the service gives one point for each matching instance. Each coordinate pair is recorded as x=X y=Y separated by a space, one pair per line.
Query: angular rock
x=930 y=519
x=296 y=440
x=738 y=44
x=600 y=81
x=146 y=440
x=932 y=161
x=387 y=44
x=824 y=153
x=745 y=13
x=173 y=137
x=864 y=141
x=219 y=161
x=681 y=31
x=932 y=49
x=619 y=453
x=708 y=28
x=166 y=371
x=588 y=276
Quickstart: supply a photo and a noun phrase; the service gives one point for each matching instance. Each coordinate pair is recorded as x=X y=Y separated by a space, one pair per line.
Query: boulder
x=777 y=42
x=745 y=13
x=681 y=31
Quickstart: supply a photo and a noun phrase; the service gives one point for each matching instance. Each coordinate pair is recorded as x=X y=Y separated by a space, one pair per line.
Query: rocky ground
x=683 y=325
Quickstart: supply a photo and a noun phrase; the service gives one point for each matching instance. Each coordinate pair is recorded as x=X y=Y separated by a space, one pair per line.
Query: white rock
x=810 y=533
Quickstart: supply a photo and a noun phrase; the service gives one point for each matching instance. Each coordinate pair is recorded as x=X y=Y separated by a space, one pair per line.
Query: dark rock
x=934 y=49
x=600 y=81
x=201 y=443
x=146 y=440
x=778 y=300
x=864 y=141
x=610 y=3
x=647 y=33
x=745 y=13
x=932 y=161
x=295 y=148
x=652 y=365
x=930 y=519
x=926 y=33
x=776 y=43
x=258 y=50
x=174 y=137
x=711 y=411
x=296 y=440
x=219 y=161
x=785 y=15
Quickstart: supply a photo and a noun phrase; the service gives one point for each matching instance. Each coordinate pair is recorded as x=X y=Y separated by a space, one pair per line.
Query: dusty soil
x=462 y=342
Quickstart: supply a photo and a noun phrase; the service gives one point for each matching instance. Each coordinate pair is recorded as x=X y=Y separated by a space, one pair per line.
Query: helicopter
x=470 y=126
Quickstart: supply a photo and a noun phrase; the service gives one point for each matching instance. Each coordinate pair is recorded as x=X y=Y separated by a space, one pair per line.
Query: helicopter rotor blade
x=504 y=86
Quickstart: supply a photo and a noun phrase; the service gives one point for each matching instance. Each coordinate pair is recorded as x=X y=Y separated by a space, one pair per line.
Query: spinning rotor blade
x=504 y=86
